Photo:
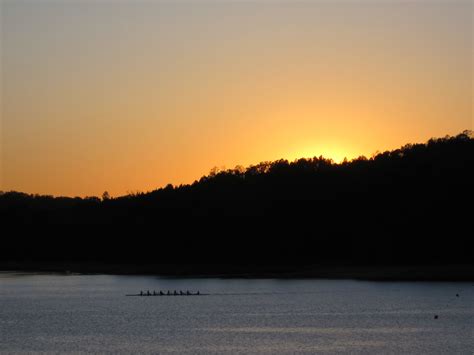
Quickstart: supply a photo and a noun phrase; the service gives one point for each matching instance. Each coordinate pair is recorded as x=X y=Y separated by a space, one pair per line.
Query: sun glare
x=328 y=151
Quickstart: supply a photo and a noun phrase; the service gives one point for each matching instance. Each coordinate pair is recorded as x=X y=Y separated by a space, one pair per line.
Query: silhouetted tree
x=408 y=205
x=105 y=196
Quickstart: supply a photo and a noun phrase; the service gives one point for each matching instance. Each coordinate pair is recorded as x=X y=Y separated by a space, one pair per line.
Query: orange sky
x=132 y=95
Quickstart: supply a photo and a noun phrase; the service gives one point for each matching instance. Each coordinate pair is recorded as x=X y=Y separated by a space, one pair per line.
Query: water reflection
x=90 y=313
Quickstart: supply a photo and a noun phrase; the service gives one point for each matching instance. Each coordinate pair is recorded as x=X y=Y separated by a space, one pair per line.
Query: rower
x=161 y=293
x=148 y=293
x=141 y=293
x=188 y=293
x=175 y=293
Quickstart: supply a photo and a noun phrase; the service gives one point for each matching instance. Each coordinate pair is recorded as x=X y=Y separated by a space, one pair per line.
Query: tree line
x=412 y=204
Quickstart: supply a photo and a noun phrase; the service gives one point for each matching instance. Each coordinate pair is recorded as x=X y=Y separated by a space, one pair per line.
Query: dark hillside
x=410 y=205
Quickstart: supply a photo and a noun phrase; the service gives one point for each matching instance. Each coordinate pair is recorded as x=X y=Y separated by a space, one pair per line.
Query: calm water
x=55 y=313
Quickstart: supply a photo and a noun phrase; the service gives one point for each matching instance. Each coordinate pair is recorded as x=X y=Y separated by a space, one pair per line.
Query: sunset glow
x=133 y=95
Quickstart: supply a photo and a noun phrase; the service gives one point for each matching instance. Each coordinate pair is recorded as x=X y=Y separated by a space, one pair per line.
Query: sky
x=129 y=96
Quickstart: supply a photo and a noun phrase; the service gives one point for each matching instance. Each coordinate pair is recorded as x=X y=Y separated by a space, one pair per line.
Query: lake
x=90 y=313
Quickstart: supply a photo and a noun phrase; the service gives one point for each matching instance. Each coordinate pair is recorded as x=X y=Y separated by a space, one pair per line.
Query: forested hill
x=440 y=170
x=411 y=203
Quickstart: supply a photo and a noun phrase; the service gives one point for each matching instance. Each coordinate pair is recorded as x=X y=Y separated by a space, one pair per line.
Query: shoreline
x=445 y=273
